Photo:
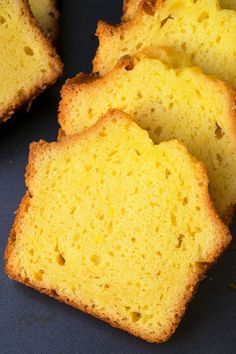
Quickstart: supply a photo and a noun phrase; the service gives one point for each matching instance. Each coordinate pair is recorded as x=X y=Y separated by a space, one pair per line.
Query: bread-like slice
x=199 y=28
x=116 y=226
x=29 y=64
x=170 y=98
x=46 y=13
x=130 y=7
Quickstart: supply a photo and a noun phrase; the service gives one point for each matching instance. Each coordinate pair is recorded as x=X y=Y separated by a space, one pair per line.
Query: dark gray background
x=34 y=323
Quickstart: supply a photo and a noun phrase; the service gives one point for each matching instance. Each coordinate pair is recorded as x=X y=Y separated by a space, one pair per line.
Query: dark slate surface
x=33 y=323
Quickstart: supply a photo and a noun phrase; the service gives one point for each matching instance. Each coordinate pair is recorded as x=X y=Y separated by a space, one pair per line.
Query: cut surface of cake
x=116 y=226
x=168 y=96
x=29 y=64
x=200 y=29
x=46 y=13
x=131 y=7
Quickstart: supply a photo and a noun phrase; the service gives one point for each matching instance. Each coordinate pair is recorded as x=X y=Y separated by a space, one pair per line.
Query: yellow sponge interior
x=116 y=226
x=199 y=28
x=131 y=7
x=171 y=99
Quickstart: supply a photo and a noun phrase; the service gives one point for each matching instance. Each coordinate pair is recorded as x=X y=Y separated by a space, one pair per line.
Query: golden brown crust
x=61 y=134
x=68 y=90
x=36 y=150
x=80 y=79
x=52 y=77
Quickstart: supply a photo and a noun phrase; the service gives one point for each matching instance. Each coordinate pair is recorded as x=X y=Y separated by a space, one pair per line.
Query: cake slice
x=170 y=98
x=29 y=64
x=46 y=13
x=116 y=227
x=199 y=28
x=131 y=7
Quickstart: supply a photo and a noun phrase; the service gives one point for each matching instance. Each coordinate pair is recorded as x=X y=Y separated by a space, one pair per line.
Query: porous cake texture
x=199 y=28
x=29 y=64
x=131 y=7
x=116 y=226
x=168 y=96
x=46 y=13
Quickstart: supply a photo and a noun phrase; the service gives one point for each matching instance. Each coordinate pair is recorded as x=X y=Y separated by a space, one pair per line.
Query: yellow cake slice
x=131 y=7
x=46 y=13
x=116 y=227
x=29 y=64
x=170 y=98
x=199 y=28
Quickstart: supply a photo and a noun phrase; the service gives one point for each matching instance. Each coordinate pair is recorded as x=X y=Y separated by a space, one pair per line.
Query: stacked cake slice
x=170 y=98
x=199 y=28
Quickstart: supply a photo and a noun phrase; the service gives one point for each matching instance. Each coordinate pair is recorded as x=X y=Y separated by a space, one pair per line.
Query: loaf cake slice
x=116 y=227
x=29 y=64
x=46 y=13
x=131 y=7
x=199 y=28
x=170 y=98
